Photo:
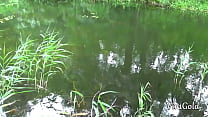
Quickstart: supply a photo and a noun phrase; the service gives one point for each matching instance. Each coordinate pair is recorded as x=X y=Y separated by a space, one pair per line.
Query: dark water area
x=119 y=49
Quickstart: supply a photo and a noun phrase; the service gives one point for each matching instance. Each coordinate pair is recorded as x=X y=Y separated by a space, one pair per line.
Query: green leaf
x=106 y=92
x=109 y=106
x=102 y=106
x=78 y=93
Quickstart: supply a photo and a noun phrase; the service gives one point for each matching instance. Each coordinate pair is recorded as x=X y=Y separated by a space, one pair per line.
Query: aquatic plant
x=10 y=75
x=10 y=78
x=42 y=61
x=99 y=107
x=183 y=65
x=30 y=64
x=204 y=69
x=76 y=98
x=144 y=97
x=49 y=57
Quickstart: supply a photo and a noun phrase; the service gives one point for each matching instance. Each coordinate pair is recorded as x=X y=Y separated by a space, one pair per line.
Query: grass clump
x=204 y=71
x=41 y=60
x=11 y=74
x=8 y=7
x=199 y=6
x=76 y=98
x=183 y=65
x=33 y=63
x=48 y=59
x=143 y=98
x=99 y=107
x=11 y=78
x=7 y=10
x=191 y=5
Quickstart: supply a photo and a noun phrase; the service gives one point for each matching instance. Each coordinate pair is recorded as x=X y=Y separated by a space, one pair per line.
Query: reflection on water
x=49 y=106
x=159 y=61
x=168 y=107
x=163 y=62
x=116 y=49
x=198 y=91
x=112 y=59
x=125 y=111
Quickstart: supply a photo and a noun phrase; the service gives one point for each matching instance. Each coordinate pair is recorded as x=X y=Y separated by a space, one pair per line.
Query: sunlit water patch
x=49 y=106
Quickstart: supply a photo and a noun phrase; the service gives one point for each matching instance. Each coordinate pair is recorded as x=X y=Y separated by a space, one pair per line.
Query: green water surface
x=95 y=32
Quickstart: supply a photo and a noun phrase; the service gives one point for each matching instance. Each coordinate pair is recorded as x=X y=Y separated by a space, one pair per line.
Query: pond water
x=120 y=49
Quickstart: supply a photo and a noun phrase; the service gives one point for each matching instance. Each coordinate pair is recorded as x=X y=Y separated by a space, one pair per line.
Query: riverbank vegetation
x=7 y=10
x=198 y=6
x=184 y=5
x=31 y=65
x=101 y=108
x=187 y=66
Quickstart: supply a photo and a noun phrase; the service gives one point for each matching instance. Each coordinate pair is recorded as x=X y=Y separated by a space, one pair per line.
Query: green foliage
x=200 y=6
x=30 y=63
x=102 y=108
x=11 y=77
x=183 y=69
x=190 y=5
x=204 y=72
x=76 y=98
x=144 y=97
x=42 y=61
x=183 y=65
x=7 y=10
x=99 y=107
x=8 y=7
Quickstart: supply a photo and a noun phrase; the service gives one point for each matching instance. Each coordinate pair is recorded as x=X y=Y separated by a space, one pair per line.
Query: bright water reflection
x=49 y=106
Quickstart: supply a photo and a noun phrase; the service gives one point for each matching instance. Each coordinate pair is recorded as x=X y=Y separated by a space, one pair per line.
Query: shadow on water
x=120 y=49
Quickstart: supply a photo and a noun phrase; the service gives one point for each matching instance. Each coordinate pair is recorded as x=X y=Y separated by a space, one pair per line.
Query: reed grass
x=10 y=75
x=10 y=78
x=43 y=60
x=32 y=62
x=143 y=98
x=204 y=72
x=76 y=98
x=101 y=108
x=183 y=66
